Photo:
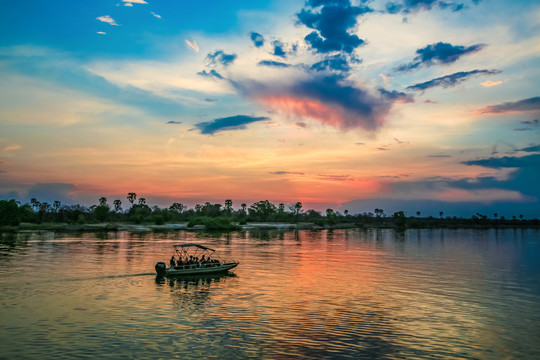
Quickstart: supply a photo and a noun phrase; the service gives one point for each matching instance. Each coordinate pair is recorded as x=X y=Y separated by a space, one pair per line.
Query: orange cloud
x=305 y=108
x=490 y=83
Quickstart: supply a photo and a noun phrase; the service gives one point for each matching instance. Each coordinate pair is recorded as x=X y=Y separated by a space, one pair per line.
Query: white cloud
x=101 y=32
x=107 y=19
x=193 y=45
x=156 y=15
x=131 y=2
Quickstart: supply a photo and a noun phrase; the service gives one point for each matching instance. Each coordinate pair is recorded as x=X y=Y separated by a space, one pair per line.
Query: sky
x=413 y=105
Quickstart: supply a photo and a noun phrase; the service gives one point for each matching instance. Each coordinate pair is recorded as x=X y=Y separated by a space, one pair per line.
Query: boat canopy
x=193 y=245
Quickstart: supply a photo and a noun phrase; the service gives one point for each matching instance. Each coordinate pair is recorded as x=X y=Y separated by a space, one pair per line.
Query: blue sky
x=340 y=104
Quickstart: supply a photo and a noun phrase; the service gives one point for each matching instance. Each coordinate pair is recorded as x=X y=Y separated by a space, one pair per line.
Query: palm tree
x=142 y=201
x=131 y=197
x=117 y=205
x=418 y=214
x=177 y=207
x=441 y=214
x=243 y=205
x=228 y=206
x=56 y=205
x=102 y=201
x=35 y=204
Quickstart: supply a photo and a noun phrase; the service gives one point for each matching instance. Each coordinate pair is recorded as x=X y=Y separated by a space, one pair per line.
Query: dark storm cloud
x=439 y=53
x=331 y=100
x=451 y=80
x=258 y=39
x=211 y=74
x=515 y=106
x=273 y=63
x=237 y=122
x=219 y=57
x=332 y=25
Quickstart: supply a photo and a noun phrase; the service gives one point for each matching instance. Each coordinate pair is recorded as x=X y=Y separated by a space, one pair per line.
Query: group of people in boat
x=193 y=260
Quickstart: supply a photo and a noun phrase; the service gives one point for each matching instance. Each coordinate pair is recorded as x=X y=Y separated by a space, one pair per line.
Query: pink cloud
x=490 y=83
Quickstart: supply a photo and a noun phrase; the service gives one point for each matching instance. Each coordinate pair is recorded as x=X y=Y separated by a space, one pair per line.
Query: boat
x=194 y=259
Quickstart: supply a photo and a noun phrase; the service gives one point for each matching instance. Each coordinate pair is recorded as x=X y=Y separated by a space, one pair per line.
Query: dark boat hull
x=196 y=269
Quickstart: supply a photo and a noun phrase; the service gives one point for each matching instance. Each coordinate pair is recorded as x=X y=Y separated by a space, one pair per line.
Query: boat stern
x=161 y=268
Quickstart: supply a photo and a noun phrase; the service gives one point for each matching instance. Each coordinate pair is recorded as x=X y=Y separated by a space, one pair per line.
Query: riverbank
x=101 y=227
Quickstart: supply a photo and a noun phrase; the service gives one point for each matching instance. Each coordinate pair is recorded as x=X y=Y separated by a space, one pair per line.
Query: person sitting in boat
x=173 y=263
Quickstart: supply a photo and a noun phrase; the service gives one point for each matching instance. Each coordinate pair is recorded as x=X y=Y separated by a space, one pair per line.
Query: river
x=359 y=293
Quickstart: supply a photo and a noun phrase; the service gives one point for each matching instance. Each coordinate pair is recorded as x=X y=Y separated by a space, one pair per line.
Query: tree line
x=224 y=216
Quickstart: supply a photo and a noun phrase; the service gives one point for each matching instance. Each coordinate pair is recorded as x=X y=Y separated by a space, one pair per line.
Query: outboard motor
x=160 y=268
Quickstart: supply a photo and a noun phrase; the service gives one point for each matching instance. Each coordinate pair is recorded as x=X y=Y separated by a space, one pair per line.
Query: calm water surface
x=448 y=294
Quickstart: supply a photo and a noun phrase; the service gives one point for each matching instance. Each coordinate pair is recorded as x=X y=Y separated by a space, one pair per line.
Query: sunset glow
x=336 y=104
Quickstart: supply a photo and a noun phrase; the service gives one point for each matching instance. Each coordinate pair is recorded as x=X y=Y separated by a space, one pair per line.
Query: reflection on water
x=362 y=293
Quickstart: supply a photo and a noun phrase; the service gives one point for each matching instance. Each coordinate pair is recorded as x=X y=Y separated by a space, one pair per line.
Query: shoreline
x=255 y=226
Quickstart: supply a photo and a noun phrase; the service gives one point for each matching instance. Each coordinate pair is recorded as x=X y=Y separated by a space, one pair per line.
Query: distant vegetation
x=225 y=217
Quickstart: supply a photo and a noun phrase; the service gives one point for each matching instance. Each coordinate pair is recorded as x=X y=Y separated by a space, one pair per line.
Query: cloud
x=101 y=32
x=172 y=122
x=211 y=74
x=328 y=99
x=336 y=62
x=273 y=63
x=107 y=19
x=530 y=104
x=219 y=57
x=490 y=83
x=396 y=96
x=193 y=45
x=334 y=177
x=258 y=39
x=439 y=156
x=534 y=122
x=155 y=15
x=237 y=122
x=287 y=173
x=12 y=147
x=451 y=80
x=50 y=192
x=210 y=100
x=412 y=6
x=131 y=2
x=332 y=25
x=439 y=53
x=59 y=68
x=278 y=49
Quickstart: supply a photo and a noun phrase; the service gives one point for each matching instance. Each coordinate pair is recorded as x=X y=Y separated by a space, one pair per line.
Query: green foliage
x=261 y=210
x=217 y=223
x=139 y=212
x=9 y=213
x=101 y=213
x=399 y=219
